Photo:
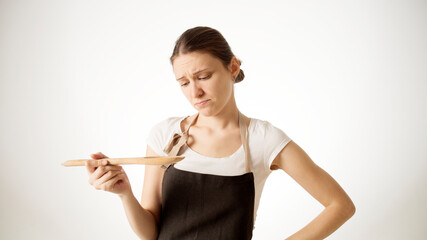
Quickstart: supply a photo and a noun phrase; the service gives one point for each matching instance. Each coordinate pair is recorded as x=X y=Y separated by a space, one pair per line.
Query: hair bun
x=240 y=76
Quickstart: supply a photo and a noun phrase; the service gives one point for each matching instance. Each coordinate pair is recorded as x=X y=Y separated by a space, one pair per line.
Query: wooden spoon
x=155 y=160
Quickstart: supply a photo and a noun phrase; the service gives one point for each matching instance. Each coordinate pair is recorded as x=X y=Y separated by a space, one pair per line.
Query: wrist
x=126 y=195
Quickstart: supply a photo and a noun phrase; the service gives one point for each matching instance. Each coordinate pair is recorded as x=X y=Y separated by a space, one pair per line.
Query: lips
x=202 y=103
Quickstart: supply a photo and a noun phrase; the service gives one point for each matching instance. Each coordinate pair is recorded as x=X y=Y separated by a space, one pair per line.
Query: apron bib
x=206 y=206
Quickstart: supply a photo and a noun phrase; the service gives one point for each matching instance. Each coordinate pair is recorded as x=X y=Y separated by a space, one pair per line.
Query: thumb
x=98 y=155
x=92 y=165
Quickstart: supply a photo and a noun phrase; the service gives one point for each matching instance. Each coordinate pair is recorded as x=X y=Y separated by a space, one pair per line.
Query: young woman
x=214 y=192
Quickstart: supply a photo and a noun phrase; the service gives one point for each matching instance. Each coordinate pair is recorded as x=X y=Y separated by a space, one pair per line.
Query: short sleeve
x=275 y=141
x=158 y=135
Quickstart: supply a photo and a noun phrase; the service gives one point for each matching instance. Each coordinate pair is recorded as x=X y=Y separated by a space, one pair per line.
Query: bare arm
x=140 y=219
x=144 y=217
x=113 y=179
x=319 y=184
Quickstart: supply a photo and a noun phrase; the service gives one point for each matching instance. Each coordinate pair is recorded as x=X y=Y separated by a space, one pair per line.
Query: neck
x=227 y=118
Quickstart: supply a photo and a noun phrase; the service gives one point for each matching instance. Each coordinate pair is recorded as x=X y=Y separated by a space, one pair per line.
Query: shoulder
x=167 y=126
x=265 y=133
x=167 y=123
x=161 y=131
x=266 y=141
x=264 y=128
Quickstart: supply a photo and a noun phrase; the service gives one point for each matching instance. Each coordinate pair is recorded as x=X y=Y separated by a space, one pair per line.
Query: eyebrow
x=193 y=73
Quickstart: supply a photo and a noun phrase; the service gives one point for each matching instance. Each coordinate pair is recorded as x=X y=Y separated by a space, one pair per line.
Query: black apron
x=206 y=206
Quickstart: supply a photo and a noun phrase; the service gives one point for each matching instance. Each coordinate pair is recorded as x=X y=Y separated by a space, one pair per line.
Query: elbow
x=345 y=209
x=352 y=210
x=349 y=209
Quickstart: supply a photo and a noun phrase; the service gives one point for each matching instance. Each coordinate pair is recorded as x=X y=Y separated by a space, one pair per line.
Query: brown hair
x=205 y=39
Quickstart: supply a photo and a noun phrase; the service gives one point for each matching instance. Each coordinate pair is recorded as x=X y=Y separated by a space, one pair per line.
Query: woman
x=213 y=193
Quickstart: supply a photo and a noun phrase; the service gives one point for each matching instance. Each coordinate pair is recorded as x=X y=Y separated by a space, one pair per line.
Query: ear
x=234 y=67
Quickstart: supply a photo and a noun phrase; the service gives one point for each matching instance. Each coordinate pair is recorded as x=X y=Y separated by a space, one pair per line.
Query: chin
x=205 y=112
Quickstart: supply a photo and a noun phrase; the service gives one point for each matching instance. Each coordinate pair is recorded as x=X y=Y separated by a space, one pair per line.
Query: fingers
x=102 y=175
x=91 y=165
x=101 y=171
x=104 y=182
x=109 y=185
x=109 y=180
x=98 y=155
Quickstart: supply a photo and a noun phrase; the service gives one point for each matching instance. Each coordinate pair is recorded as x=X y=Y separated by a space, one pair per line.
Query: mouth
x=199 y=104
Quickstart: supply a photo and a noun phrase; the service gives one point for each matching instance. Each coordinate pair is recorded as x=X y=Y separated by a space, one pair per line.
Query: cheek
x=219 y=86
x=224 y=89
x=187 y=93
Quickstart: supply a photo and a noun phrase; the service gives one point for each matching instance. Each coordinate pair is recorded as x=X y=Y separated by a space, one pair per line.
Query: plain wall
x=346 y=80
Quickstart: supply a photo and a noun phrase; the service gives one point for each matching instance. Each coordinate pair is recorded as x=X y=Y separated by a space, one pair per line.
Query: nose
x=196 y=90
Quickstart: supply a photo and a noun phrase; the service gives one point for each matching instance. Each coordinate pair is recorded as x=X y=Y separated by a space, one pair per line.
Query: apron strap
x=179 y=139
x=244 y=138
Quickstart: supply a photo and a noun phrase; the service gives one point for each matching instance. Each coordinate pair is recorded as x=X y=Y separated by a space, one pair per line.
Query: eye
x=204 y=78
x=185 y=84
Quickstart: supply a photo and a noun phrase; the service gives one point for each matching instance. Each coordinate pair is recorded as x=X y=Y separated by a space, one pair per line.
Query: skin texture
x=338 y=206
x=216 y=133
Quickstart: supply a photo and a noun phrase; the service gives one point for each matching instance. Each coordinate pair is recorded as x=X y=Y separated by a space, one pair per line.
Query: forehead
x=191 y=62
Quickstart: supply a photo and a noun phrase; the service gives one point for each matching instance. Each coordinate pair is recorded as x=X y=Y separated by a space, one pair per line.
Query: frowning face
x=205 y=82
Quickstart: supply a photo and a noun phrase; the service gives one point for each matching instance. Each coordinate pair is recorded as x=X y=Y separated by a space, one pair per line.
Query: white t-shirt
x=265 y=141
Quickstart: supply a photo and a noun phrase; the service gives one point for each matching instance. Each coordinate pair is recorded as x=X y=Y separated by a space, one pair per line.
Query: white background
x=346 y=80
